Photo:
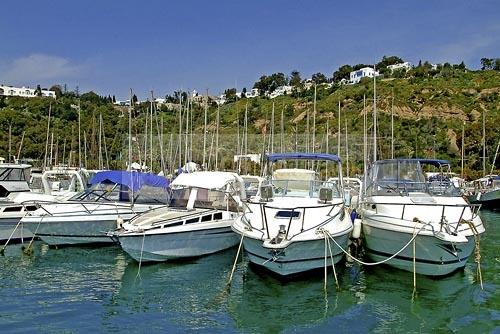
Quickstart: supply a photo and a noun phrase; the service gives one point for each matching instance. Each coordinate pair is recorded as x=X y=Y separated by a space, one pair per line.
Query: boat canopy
x=302 y=156
x=133 y=180
x=433 y=162
x=207 y=180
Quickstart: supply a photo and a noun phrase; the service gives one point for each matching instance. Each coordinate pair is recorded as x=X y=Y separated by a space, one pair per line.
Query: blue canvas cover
x=302 y=156
x=133 y=180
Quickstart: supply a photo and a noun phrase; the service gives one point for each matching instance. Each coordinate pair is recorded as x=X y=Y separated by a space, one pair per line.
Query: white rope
x=28 y=250
x=140 y=258
x=235 y=260
x=333 y=265
x=379 y=262
x=2 y=251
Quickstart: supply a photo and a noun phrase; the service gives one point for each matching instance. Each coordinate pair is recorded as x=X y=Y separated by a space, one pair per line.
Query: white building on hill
x=24 y=91
x=365 y=72
x=406 y=66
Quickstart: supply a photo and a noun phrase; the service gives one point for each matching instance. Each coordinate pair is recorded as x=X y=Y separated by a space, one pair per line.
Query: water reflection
x=98 y=290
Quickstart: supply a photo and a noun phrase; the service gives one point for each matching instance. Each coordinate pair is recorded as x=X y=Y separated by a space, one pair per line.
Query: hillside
x=428 y=117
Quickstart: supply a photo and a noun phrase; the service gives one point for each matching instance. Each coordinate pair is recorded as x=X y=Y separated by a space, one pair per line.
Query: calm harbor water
x=85 y=290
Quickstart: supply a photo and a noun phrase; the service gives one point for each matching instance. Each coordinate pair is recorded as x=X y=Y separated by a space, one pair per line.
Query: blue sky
x=112 y=46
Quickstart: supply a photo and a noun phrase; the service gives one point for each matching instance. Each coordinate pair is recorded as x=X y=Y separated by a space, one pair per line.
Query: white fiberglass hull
x=298 y=257
x=69 y=225
x=10 y=228
x=434 y=256
x=176 y=243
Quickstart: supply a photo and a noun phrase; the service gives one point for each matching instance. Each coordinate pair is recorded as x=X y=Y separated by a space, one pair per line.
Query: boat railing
x=265 y=205
x=405 y=187
x=98 y=206
x=474 y=209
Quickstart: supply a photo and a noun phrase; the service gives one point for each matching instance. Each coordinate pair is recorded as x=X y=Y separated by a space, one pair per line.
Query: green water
x=84 y=290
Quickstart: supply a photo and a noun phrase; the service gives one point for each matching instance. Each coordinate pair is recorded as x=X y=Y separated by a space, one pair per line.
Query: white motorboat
x=113 y=197
x=197 y=221
x=285 y=228
x=399 y=204
x=13 y=190
x=485 y=191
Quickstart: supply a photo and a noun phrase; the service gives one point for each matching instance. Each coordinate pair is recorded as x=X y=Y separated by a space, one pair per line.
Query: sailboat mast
x=130 y=132
x=314 y=122
x=217 y=139
x=272 y=130
x=463 y=151
x=47 y=139
x=484 y=144
x=80 y=137
x=392 y=126
x=205 y=132
x=338 y=134
x=151 y=134
x=374 y=115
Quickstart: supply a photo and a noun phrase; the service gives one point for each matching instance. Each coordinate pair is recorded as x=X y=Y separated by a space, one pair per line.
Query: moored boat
x=400 y=206
x=285 y=228
x=113 y=198
x=197 y=221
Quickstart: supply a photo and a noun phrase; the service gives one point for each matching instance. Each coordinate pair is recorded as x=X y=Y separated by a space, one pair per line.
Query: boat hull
x=180 y=244
x=433 y=256
x=489 y=200
x=7 y=226
x=298 y=257
x=75 y=232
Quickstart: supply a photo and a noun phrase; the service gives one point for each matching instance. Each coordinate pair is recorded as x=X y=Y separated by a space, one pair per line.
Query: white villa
x=281 y=90
x=365 y=72
x=406 y=66
x=24 y=91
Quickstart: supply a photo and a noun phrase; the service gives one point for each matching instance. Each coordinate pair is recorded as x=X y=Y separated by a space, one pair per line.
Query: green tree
x=486 y=64
x=343 y=72
x=319 y=78
x=38 y=90
x=57 y=89
x=295 y=79
x=230 y=94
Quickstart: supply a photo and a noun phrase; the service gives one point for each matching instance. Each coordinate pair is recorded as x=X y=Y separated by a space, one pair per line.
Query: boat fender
x=354 y=215
x=356 y=231
x=119 y=222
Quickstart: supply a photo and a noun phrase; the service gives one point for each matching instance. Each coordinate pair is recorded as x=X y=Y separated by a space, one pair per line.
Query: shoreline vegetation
x=434 y=112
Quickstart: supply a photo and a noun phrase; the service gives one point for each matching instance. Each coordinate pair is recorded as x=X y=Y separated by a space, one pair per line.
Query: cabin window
x=13 y=209
x=174 y=224
x=206 y=218
x=192 y=220
x=31 y=208
x=218 y=216
x=287 y=214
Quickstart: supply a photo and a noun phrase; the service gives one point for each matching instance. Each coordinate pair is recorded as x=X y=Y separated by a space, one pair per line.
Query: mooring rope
x=374 y=263
x=140 y=257
x=2 y=251
x=28 y=250
x=333 y=265
x=235 y=260
x=477 y=250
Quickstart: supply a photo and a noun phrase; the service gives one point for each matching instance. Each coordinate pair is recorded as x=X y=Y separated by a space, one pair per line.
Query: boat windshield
x=303 y=188
x=202 y=198
x=398 y=177
x=114 y=192
x=13 y=174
